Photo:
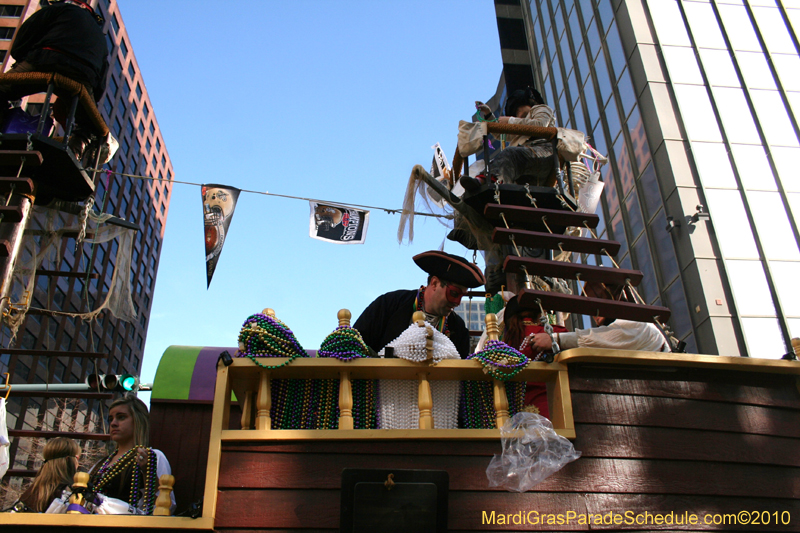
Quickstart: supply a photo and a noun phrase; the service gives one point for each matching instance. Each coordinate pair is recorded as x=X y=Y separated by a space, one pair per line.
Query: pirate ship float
x=670 y=435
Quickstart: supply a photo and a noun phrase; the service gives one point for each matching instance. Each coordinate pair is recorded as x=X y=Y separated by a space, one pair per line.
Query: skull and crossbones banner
x=219 y=202
x=338 y=223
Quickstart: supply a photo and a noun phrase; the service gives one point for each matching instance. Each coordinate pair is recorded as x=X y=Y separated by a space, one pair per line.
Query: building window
x=134 y=108
x=115 y=23
x=117 y=127
x=126 y=89
x=10 y=11
x=132 y=72
x=138 y=88
x=6 y=34
x=112 y=86
x=108 y=106
x=141 y=128
x=146 y=110
x=123 y=48
x=110 y=43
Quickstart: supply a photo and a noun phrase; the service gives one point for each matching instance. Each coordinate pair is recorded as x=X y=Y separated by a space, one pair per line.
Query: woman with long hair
x=60 y=464
x=130 y=473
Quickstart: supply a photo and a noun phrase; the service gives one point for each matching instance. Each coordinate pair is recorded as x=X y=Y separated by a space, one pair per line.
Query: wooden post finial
x=796 y=345
x=418 y=317
x=492 y=331
x=344 y=317
x=79 y=483
x=269 y=312
x=163 y=501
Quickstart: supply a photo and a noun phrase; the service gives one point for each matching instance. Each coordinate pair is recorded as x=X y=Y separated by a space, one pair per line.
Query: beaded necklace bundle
x=346 y=344
x=476 y=409
x=399 y=407
x=305 y=403
x=500 y=360
x=109 y=472
x=411 y=345
x=266 y=336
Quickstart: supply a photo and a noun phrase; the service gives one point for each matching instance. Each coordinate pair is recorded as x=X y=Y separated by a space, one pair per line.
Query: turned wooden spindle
x=79 y=483
x=425 y=399
x=269 y=312
x=247 y=410
x=796 y=345
x=163 y=501
x=492 y=330
x=345 y=401
x=344 y=317
x=263 y=401
x=498 y=388
x=418 y=318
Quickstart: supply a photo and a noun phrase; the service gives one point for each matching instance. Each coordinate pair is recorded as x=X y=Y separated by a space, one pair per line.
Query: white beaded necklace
x=399 y=397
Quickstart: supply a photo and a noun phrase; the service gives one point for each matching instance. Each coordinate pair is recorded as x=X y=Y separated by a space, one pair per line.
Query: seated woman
x=130 y=474
x=60 y=464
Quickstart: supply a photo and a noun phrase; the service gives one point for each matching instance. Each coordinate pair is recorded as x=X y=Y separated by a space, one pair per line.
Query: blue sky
x=322 y=99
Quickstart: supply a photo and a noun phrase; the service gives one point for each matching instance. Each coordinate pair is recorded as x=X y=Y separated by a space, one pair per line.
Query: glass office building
x=129 y=113
x=694 y=102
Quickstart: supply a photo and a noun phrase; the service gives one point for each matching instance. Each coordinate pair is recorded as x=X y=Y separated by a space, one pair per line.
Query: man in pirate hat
x=449 y=277
x=611 y=333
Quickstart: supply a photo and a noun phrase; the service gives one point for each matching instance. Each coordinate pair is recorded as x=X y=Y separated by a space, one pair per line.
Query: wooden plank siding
x=181 y=429
x=653 y=440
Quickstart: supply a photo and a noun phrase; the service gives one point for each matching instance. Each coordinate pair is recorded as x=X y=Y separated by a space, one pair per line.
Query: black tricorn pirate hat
x=449 y=267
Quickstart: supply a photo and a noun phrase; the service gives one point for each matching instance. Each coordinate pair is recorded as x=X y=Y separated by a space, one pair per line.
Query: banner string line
x=267 y=193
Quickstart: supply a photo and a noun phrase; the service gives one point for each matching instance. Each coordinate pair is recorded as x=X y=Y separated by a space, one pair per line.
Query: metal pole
x=14 y=236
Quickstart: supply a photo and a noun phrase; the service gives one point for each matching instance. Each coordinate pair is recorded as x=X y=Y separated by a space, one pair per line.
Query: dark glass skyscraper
x=695 y=103
x=127 y=109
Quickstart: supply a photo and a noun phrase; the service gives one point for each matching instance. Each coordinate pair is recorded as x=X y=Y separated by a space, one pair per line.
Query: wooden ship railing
x=247 y=380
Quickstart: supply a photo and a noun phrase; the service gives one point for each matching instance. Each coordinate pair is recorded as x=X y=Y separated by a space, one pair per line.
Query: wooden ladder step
x=58 y=273
x=21 y=185
x=534 y=219
x=553 y=241
x=555 y=301
x=14 y=158
x=10 y=214
x=561 y=269
x=52 y=353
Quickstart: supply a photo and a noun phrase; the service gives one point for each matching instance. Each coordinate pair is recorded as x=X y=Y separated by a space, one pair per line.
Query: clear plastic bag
x=532 y=451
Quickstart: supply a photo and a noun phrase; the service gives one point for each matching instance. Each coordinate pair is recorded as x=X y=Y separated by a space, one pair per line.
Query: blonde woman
x=60 y=464
x=131 y=472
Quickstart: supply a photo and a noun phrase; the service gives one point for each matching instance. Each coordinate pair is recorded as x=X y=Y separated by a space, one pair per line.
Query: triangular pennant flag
x=338 y=224
x=219 y=203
